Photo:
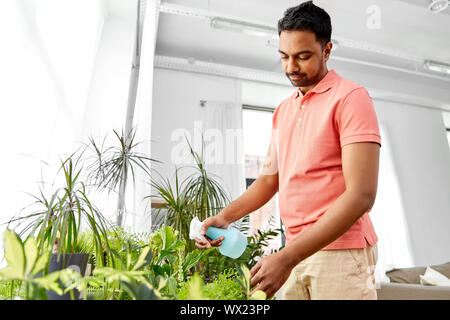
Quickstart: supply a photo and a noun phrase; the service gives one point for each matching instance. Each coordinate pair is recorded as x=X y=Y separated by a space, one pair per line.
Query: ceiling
x=124 y=9
x=407 y=28
x=425 y=4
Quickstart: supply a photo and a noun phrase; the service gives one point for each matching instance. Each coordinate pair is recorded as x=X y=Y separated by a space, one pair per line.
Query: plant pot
x=74 y=261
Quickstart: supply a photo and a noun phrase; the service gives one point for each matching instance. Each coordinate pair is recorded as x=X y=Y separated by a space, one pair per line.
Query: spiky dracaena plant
x=199 y=194
x=57 y=220
x=112 y=166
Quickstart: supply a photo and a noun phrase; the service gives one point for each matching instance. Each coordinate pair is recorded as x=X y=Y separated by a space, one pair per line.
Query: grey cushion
x=411 y=275
x=403 y=291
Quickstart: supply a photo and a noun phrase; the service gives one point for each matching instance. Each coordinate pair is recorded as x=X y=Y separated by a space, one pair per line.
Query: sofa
x=405 y=285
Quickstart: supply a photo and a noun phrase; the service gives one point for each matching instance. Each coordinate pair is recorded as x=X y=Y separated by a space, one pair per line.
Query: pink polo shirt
x=308 y=134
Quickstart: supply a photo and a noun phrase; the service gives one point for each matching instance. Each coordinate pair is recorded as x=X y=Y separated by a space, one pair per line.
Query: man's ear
x=327 y=50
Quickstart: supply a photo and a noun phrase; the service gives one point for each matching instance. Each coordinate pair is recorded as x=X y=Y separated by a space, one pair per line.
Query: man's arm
x=360 y=163
x=258 y=194
x=260 y=191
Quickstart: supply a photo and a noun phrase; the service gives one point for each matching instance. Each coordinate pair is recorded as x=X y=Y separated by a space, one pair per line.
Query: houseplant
x=26 y=265
x=215 y=263
x=110 y=166
x=126 y=266
x=230 y=284
x=152 y=268
x=199 y=194
x=57 y=221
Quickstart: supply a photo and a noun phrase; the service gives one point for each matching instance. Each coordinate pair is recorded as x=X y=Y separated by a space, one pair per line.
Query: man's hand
x=216 y=221
x=257 y=195
x=270 y=273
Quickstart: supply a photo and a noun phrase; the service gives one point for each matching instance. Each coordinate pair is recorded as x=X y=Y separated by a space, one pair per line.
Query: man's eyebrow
x=298 y=53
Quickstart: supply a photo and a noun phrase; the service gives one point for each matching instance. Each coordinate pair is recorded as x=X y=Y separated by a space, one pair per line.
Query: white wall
x=422 y=160
x=176 y=105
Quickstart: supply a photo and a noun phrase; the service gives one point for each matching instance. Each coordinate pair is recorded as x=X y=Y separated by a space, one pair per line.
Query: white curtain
x=222 y=129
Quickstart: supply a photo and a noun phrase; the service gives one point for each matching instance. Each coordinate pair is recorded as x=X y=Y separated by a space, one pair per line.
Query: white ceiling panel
x=405 y=29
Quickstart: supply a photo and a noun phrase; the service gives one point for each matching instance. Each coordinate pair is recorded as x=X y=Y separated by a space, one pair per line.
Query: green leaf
x=14 y=253
x=157 y=269
x=162 y=283
x=31 y=254
x=50 y=282
x=9 y=273
x=172 y=284
x=70 y=279
x=196 y=288
x=144 y=258
x=167 y=269
x=244 y=278
x=258 y=295
x=167 y=237
x=141 y=291
x=192 y=258
x=41 y=263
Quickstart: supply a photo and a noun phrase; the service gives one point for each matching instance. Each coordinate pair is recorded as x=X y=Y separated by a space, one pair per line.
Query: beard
x=303 y=79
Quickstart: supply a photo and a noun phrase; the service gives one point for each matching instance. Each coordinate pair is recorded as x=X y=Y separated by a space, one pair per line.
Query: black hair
x=307 y=17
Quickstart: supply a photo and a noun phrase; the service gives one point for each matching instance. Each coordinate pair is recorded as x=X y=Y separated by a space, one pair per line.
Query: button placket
x=301 y=112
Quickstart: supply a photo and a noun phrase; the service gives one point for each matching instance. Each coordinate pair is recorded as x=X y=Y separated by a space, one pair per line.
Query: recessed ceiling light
x=438 y=6
x=244 y=27
x=437 y=66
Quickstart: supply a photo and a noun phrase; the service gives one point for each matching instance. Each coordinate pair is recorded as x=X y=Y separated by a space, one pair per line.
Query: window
x=257 y=127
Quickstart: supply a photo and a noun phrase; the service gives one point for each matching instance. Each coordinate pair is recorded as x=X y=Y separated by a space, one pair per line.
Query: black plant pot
x=74 y=261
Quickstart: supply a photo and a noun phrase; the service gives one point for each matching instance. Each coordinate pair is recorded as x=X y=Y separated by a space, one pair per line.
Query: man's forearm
x=344 y=212
x=258 y=194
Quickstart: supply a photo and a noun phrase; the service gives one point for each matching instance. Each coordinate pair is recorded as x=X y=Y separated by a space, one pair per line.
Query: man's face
x=302 y=57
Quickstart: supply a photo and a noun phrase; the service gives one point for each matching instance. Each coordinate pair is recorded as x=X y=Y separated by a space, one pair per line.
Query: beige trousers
x=334 y=275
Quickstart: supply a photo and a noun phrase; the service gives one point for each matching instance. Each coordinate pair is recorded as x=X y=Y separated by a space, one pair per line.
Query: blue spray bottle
x=233 y=245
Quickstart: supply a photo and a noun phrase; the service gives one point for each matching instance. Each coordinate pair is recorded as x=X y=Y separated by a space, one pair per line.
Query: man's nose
x=292 y=66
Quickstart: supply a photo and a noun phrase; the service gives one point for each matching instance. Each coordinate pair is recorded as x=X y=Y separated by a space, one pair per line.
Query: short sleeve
x=271 y=163
x=356 y=119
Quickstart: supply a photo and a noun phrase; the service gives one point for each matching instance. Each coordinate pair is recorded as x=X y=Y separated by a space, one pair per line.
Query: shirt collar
x=323 y=85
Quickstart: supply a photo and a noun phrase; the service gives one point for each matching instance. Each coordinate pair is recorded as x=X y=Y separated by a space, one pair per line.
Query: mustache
x=295 y=74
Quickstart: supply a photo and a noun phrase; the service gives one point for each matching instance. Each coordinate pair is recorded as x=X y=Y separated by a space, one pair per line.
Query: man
x=323 y=160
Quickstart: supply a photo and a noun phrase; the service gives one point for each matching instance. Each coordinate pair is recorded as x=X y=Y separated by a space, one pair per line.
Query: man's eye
x=284 y=58
x=304 y=58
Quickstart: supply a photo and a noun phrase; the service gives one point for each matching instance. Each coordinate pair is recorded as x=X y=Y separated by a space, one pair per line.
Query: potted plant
x=56 y=224
x=27 y=266
x=199 y=194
